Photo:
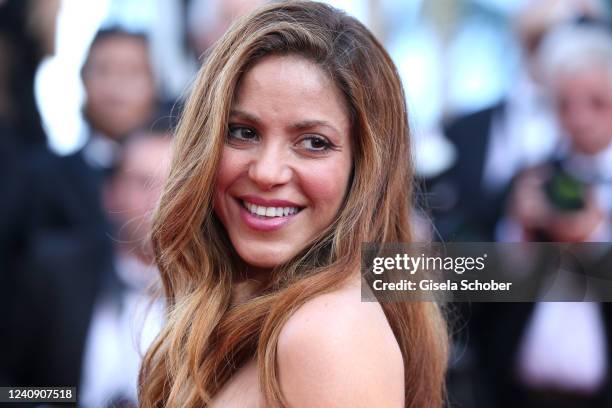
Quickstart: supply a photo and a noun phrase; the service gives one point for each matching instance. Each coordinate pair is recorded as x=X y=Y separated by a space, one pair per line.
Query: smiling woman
x=293 y=149
x=286 y=165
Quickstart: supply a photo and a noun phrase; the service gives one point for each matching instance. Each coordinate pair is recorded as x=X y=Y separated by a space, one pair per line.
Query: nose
x=270 y=167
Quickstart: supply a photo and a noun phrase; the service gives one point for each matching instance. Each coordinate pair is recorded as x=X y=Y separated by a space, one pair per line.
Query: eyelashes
x=241 y=135
x=315 y=143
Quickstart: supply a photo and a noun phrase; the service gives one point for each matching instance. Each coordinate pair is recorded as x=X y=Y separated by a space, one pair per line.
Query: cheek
x=326 y=185
x=606 y=121
x=228 y=172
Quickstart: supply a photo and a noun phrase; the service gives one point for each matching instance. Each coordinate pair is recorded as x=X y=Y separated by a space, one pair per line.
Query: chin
x=265 y=256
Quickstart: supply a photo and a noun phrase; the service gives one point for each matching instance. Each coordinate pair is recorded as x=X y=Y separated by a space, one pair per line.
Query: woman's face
x=286 y=161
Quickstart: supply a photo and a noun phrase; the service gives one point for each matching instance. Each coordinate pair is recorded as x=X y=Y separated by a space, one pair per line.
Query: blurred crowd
x=536 y=167
x=77 y=274
x=77 y=270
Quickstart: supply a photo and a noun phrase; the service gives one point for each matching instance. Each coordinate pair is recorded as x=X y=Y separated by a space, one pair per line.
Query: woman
x=292 y=150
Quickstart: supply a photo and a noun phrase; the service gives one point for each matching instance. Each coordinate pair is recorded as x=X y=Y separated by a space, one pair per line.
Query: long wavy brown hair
x=207 y=337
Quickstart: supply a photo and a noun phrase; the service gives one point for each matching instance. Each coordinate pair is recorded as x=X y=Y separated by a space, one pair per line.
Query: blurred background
x=510 y=103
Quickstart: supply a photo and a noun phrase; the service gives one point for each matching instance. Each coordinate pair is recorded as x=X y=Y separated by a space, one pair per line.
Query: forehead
x=291 y=85
x=596 y=79
x=118 y=47
x=285 y=67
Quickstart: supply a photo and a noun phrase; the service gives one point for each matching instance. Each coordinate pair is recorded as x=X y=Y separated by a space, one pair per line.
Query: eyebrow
x=246 y=116
x=309 y=124
x=302 y=125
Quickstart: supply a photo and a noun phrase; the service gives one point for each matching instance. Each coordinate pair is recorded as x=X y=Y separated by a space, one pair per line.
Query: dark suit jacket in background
x=462 y=209
x=64 y=259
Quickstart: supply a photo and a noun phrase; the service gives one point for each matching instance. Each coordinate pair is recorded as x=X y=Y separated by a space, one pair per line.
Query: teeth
x=270 y=211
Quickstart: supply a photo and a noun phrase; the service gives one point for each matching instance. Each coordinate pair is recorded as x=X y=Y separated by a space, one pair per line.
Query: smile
x=270 y=212
x=267 y=215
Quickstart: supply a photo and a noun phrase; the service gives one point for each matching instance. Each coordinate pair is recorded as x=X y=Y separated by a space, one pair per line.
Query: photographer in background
x=496 y=143
x=569 y=199
x=557 y=354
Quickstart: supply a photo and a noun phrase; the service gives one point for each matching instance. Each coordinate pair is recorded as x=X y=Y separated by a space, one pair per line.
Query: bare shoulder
x=338 y=351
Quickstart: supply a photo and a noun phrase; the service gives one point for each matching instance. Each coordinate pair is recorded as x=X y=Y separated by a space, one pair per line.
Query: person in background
x=556 y=354
x=123 y=321
x=582 y=86
x=54 y=212
x=468 y=201
x=495 y=143
x=27 y=36
x=120 y=100
x=89 y=316
x=27 y=33
x=120 y=93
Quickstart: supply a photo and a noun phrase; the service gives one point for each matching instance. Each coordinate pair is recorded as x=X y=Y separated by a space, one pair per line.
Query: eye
x=241 y=133
x=315 y=143
x=597 y=103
